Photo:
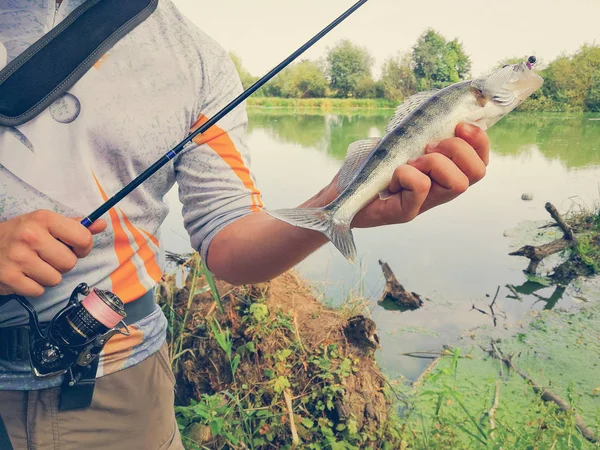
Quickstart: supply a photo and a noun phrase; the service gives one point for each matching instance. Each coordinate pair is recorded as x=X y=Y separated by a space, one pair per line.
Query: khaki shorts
x=131 y=409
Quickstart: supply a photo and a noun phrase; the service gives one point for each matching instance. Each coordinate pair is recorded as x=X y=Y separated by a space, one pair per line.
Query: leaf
x=201 y=290
x=281 y=383
x=213 y=287
x=284 y=354
x=307 y=422
x=234 y=364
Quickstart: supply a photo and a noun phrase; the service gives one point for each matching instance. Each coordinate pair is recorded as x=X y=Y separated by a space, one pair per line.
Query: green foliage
x=438 y=63
x=398 y=78
x=347 y=65
x=301 y=80
x=588 y=249
x=571 y=82
x=592 y=100
x=256 y=415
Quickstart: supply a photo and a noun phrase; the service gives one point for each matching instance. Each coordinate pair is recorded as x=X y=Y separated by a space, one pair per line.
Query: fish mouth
x=526 y=84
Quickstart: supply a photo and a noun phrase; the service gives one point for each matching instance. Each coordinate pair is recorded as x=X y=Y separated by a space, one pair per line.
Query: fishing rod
x=87 y=221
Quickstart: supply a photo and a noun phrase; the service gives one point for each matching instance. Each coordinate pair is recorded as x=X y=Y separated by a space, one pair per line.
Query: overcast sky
x=263 y=32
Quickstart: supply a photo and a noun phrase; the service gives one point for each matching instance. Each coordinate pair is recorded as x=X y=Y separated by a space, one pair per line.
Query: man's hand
x=37 y=248
x=446 y=170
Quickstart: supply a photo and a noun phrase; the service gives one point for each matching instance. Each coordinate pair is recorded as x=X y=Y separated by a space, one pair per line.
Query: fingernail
x=411 y=161
x=468 y=128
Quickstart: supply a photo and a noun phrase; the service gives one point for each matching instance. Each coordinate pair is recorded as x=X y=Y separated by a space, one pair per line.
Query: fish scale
x=423 y=118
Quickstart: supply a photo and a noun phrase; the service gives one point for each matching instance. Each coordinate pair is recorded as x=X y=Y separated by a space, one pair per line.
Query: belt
x=14 y=341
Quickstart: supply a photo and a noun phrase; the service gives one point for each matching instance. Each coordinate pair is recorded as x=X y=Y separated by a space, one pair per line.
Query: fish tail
x=324 y=221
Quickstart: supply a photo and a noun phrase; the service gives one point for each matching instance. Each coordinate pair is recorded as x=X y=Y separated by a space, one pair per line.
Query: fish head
x=504 y=89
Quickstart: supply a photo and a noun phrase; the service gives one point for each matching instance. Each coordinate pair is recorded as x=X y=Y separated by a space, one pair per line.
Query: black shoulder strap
x=41 y=74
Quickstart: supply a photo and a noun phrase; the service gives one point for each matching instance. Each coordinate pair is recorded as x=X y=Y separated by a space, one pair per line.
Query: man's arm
x=258 y=247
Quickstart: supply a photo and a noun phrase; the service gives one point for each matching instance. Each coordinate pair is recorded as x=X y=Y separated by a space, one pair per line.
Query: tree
x=398 y=78
x=300 y=80
x=347 y=65
x=570 y=80
x=306 y=80
x=438 y=63
x=592 y=101
x=247 y=79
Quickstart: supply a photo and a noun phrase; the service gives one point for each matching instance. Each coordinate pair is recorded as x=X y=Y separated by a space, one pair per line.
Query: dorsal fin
x=406 y=107
x=355 y=155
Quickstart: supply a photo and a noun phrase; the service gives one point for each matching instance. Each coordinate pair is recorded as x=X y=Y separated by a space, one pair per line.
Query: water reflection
x=573 y=140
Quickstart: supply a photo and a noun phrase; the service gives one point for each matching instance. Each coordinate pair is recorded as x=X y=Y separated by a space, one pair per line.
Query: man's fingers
x=21 y=285
x=72 y=234
x=443 y=172
x=463 y=156
x=98 y=226
x=412 y=187
x=57 y=254
x=476 y=138
x=42 y=273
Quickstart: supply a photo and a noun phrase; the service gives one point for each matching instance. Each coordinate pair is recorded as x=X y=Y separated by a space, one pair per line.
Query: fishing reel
x=76 y=335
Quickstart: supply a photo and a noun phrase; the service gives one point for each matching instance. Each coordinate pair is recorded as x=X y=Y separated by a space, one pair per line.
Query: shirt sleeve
x=216 y=186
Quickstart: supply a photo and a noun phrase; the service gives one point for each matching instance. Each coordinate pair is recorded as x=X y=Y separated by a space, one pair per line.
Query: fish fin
x=385 y=194
x=489 y=85
x=322 y=220
x=407 y=106
x=355 y=155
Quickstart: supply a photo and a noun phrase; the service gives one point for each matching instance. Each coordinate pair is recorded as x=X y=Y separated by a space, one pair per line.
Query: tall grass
x=325 y=104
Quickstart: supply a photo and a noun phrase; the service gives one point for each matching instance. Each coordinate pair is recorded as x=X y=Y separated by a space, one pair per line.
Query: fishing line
x=86 y=222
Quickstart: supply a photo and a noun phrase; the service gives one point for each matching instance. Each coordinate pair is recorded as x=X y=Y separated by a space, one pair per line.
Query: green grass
x=325 y=104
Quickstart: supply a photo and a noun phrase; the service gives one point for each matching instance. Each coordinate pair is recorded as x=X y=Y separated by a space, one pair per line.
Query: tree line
x=572 y=82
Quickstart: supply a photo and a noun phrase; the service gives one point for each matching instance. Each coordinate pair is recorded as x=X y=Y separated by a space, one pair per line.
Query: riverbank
x=277 y=368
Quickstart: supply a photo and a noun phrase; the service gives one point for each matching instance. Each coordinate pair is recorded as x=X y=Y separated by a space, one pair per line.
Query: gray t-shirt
x=139 y=100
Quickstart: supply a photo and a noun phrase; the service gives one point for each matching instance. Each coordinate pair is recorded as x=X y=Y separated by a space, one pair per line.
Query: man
x=161 y=80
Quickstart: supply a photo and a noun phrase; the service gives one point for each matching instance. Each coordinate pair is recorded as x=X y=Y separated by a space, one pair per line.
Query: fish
x=426 y=117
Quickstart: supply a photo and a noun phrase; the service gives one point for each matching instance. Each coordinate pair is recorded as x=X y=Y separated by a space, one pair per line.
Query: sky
x=264 y=32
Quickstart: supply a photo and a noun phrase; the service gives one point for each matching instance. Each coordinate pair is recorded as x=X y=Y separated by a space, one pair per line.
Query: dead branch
x=537 y=254
x=546 y=395
x=561 y=222
x=288 y=401
x=493 y=314
x=396 y=292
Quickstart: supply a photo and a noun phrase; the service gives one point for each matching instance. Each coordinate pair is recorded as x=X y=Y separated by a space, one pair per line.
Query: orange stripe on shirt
x=217 y=139
x=145 y=252
x=125 y=281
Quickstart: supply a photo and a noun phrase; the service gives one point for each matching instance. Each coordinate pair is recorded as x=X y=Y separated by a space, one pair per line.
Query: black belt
x=14 y=341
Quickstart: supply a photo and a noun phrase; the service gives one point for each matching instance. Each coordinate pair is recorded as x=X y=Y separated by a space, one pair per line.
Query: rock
x=527 y=196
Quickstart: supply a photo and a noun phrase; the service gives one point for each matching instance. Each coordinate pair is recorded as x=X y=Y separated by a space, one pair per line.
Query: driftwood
x=537 y=254
x=546 y=395
x=395 y=292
